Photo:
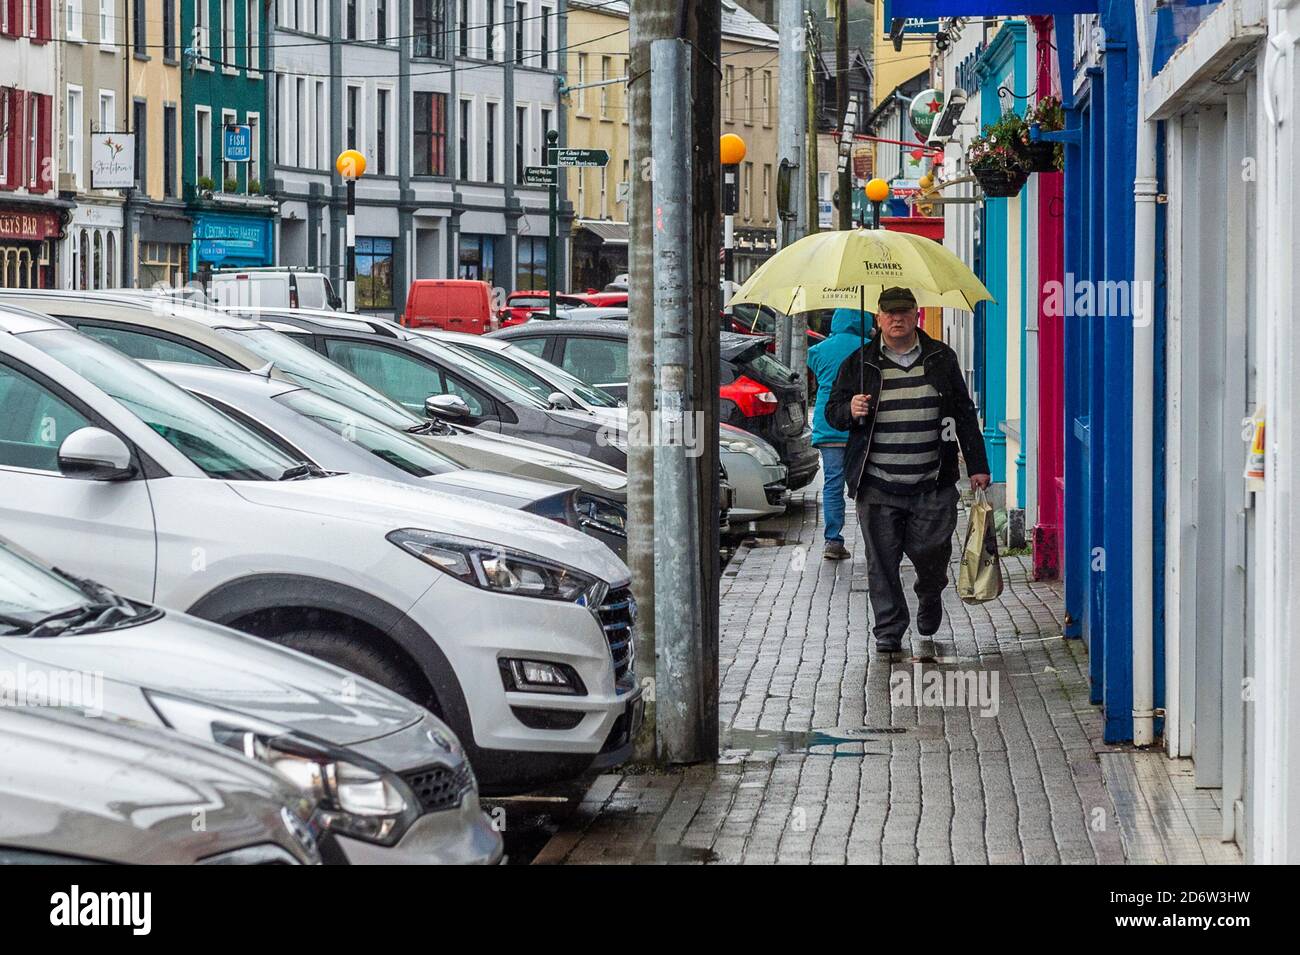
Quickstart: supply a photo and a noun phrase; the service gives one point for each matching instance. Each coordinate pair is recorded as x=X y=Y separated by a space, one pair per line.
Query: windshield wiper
x=432 y=426
x=301 y=471
x=96 y=615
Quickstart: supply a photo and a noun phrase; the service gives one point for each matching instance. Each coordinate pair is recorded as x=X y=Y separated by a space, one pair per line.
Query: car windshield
x=218 y=445
x=317 y=373
x=29 y=592
x=541 y=377
x=380 y=440
x=480 y=372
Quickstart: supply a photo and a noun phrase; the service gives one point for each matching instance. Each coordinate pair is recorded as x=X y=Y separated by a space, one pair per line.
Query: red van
x=453 y=305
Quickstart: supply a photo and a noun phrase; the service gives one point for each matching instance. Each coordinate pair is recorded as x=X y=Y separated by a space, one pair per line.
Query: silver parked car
x=79 y=790
x=392 y=779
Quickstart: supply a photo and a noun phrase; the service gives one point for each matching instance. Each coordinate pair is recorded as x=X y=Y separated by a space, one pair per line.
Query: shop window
x=477 y=259
x=374 y=273
x=530 y=267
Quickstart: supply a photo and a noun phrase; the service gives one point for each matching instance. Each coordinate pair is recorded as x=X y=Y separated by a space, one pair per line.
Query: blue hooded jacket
x=824 y=360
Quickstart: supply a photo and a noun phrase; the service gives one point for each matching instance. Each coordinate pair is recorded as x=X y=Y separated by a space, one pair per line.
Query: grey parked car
x=392 y=779
x=423 y=374
x=152 y=328
x=79 y=790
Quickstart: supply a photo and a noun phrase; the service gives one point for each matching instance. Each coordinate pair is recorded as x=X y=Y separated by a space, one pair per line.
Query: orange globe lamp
x=351 y=164
x=877 y=190
x=731 y=149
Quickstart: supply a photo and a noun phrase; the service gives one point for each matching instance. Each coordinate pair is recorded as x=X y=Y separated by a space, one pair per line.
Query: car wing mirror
x=96 y=455
x=446 y=406
x=559 y=400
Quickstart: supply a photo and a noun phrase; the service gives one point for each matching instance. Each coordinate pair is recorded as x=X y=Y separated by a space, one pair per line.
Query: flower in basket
x=1041 y=155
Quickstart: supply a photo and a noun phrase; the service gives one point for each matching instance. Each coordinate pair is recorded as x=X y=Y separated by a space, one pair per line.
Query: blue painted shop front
x=1002 y=73
x=231 y=240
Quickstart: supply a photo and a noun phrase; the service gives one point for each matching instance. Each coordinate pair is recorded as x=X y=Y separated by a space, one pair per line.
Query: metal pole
x=552 y=252
x=678 y=597
x=793 y=106
x=842 y=106
x=351 y=275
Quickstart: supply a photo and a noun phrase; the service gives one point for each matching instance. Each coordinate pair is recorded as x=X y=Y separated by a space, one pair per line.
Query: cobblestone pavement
x=816 y=770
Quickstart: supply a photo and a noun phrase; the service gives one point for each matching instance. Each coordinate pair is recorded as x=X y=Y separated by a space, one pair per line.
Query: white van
x=272 y=288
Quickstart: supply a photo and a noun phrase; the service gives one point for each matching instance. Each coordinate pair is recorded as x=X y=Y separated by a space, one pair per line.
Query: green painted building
x=224 y=109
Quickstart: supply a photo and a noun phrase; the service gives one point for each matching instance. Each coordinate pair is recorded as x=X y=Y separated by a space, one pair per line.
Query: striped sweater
x=904 y=453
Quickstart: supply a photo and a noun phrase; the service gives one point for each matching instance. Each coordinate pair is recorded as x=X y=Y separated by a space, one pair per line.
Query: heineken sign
x=925 y=109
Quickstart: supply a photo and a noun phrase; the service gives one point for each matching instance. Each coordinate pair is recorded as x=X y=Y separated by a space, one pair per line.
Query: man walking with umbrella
x=902 y=399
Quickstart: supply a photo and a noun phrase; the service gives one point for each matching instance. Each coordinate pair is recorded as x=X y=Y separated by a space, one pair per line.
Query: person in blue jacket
x=824 y=360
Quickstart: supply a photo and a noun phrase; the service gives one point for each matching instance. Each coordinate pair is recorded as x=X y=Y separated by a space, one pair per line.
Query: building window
x=254 y=167
x=767 y=98
x=544 y=143
x=430 y=134
x=604 y=192
x=605 y=62
x=381 y=131
x=322 y=127
x=530 y=264
x=374 y=258
x=74 y=17
x=201 y=24
x=4 y=135
x=252 y=35
x=728 y=83
x=73 y=160
x=490 y=30
x=430 y=28
x=354 y=101
x=169 y=151
x=301 y=145
x=228 y=33
x=203 y=143
x=521 y=142
x=767 y=192
x=544 y=47
x=107 y=111
x=521 y=32
x=352 y=20
x=491 y=142
x=477 y=258
x=34 y=133
x=748 y=173
x=749 y=96
x=463 y=23
x=463 y=170
x=229 y=170
x=107 y=23
x=168 y=28
x=140 y=124
x=582 y=83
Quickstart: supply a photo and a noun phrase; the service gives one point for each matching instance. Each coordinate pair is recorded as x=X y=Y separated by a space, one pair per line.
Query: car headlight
x=493 y=567
x=604 y=514
x=354 y=796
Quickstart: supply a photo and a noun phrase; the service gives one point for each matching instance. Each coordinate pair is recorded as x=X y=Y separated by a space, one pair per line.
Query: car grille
x=440 y=787
x=617 y=616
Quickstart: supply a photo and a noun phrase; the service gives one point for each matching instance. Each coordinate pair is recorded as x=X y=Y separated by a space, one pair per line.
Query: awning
x=610 y=233
x=936 y=9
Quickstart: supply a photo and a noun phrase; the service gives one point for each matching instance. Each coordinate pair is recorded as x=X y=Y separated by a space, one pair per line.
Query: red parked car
x=761 y=320
x=520 y=306
x=606 y=299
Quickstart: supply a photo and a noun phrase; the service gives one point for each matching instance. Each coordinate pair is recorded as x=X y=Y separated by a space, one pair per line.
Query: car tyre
x=344 y=651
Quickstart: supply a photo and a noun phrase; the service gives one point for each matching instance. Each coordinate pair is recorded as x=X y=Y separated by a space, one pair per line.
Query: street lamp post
x=731 y=149
x=351 y=165
x=553 y=239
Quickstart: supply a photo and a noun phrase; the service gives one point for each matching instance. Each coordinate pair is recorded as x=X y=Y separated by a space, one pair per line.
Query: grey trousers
x=919 y=526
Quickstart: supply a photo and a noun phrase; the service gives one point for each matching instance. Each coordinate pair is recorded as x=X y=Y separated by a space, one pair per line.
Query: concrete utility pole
x=649 y=20
x=684 y=186
x=793 y=120
x=842 y=106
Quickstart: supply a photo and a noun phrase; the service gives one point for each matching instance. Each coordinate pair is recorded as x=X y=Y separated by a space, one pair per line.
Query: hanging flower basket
x=1001 y=183
x=1042 y=156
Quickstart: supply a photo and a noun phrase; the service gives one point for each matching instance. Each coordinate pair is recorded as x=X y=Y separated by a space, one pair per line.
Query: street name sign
x=540 y=176
x=579 y=157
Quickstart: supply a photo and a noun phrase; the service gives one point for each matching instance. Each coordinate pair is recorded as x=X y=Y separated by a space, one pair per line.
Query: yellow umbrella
x=851 y=268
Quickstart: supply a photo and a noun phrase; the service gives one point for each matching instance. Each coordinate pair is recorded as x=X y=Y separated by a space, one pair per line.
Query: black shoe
x=835 y=550
x=929 y=615
x=889 y=646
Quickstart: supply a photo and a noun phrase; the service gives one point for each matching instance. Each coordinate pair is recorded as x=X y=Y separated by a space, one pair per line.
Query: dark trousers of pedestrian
x=920 y=527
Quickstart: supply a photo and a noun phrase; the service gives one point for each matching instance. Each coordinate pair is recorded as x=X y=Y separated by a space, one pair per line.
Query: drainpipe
x=1144 y=265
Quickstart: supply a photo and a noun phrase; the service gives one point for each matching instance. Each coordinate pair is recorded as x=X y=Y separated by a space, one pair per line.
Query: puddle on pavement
x=665 y=854
x=798 y=741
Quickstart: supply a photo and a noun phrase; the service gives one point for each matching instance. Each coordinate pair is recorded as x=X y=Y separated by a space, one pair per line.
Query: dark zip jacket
x=956 y=410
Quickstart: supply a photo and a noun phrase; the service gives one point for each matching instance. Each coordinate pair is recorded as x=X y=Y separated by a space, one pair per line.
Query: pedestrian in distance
x=824 y=360
x=902 y=398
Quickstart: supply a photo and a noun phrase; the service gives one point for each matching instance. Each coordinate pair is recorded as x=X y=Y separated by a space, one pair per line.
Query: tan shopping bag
x=980 y=577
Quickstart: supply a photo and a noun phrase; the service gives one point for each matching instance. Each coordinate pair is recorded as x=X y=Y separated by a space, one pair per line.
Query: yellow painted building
x=596 y=107
x=893 y=67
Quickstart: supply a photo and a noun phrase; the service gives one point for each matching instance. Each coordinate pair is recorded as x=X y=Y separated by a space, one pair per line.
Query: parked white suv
x=515 y=629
